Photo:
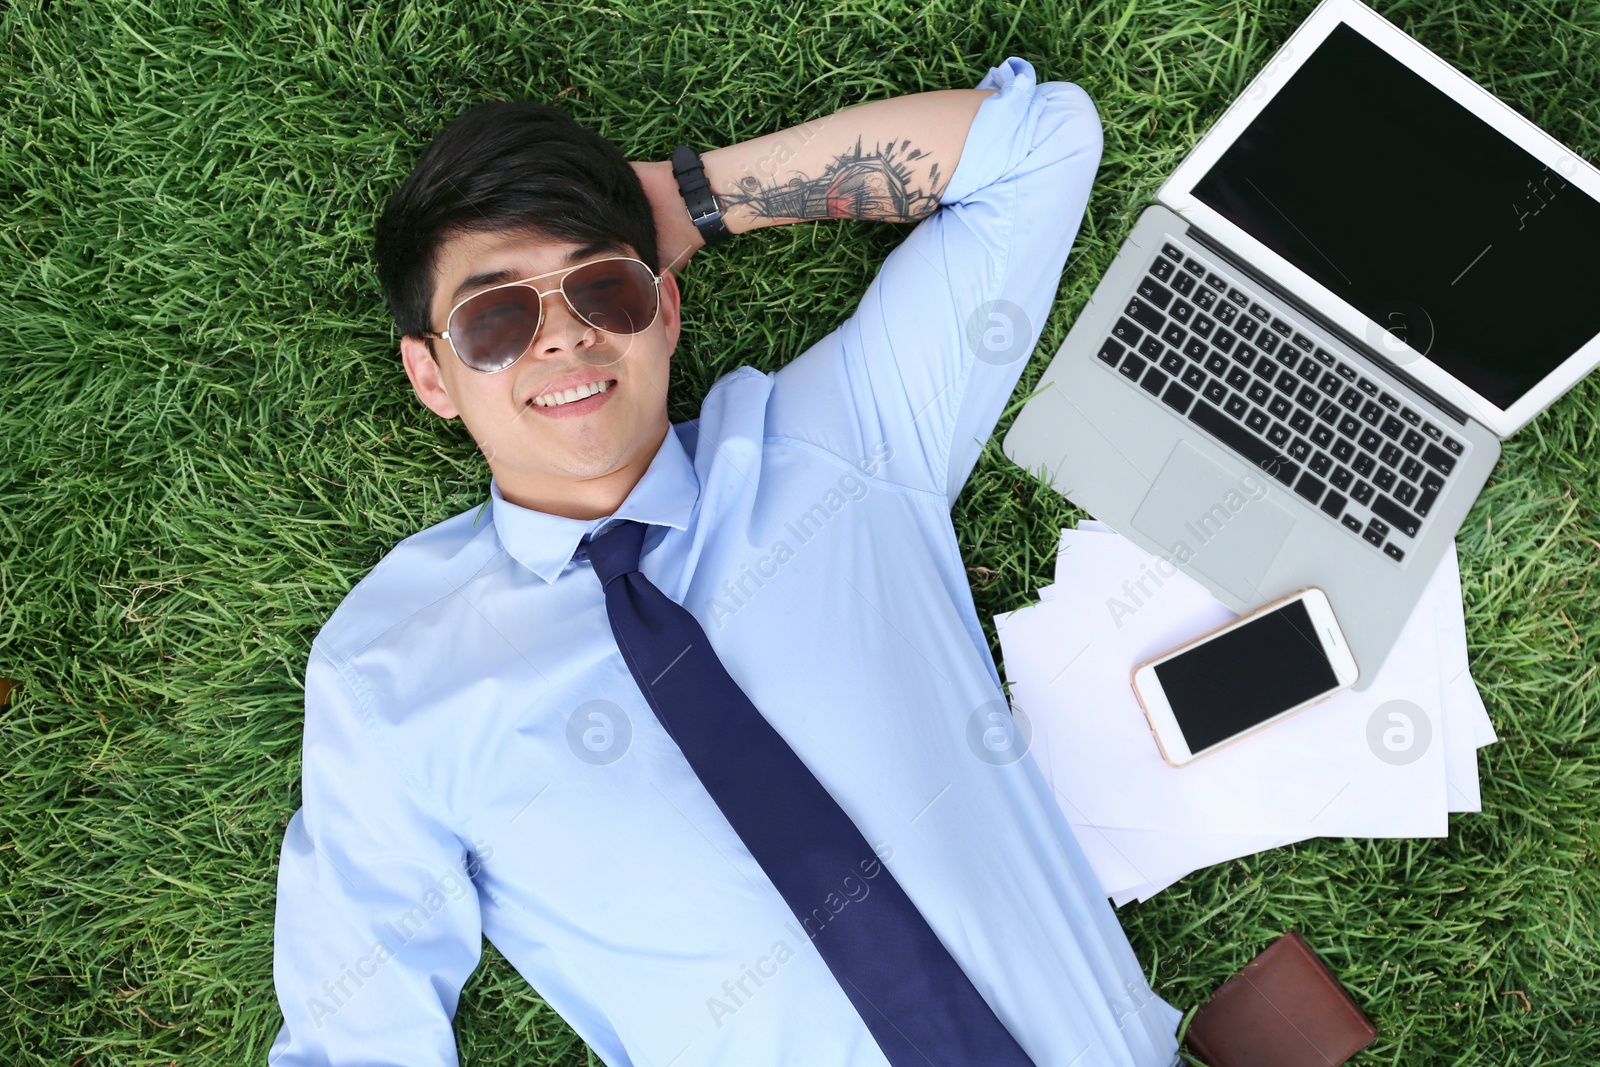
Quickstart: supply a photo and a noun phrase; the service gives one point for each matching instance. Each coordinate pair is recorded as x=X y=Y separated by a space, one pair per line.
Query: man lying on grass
x=697 y=722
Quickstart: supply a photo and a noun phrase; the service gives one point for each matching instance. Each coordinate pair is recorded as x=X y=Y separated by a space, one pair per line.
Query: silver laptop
x=1300 y=366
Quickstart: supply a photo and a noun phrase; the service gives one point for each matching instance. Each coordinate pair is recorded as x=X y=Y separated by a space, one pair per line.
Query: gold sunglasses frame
x=542 y=293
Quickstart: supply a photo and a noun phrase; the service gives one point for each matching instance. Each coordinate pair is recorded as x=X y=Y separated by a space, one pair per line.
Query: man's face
x=577 y=459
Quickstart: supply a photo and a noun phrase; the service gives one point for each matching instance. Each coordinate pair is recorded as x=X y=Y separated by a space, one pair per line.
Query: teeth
x=567 y=396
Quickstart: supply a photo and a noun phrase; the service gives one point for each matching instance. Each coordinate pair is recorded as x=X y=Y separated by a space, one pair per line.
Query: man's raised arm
x=888 y=160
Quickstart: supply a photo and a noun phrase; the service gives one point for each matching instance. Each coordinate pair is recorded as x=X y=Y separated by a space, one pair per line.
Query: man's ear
x=426 y=379
x=671 y=309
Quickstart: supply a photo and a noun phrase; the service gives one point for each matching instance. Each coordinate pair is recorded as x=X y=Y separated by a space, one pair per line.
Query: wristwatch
x=704 y=211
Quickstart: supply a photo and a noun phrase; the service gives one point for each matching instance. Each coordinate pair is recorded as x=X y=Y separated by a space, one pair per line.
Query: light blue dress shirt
x=478 y=760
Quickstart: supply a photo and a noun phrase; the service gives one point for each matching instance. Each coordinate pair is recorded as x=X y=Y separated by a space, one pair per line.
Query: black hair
x=505 y=166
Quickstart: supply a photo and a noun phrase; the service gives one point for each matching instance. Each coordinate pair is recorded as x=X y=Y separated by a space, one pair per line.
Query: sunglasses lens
x=490 y=331
x=614 y=295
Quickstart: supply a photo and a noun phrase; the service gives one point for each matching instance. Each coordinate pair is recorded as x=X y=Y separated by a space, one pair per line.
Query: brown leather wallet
x=1284 y=1009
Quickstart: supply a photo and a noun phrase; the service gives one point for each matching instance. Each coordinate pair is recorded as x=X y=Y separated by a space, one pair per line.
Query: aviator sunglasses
x=493 y=329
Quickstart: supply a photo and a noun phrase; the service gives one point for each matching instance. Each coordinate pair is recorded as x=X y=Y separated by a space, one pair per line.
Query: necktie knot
x=616 y=552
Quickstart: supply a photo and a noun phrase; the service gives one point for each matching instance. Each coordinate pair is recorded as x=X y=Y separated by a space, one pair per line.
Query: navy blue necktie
x=919 y=1006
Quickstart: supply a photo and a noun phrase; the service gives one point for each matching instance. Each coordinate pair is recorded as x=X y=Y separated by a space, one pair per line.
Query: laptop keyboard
x=1257 y=380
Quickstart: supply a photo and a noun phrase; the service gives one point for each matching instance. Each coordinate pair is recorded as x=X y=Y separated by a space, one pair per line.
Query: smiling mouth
x=571 y=396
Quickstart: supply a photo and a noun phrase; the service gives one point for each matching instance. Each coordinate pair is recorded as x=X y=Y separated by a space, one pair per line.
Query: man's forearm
x=887 y=160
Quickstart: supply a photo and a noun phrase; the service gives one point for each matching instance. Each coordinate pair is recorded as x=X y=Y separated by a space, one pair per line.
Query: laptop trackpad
x=1216 y=520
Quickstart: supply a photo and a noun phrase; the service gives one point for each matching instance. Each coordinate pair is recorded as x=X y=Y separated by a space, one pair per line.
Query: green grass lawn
x=206 y=439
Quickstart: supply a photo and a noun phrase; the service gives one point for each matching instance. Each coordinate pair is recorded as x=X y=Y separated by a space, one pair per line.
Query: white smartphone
x=1251 y=673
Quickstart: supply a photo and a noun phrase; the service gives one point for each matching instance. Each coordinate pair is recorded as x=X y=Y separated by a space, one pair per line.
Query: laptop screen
x=1418 y=214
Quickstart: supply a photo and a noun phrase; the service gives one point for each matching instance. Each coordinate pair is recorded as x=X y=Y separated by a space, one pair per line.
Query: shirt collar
x=544 y=543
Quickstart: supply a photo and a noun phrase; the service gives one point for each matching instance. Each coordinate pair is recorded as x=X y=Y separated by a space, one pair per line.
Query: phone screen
x=1234 y=682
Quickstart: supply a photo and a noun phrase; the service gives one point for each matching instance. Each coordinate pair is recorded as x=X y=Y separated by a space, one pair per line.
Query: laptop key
x=1223 y=341
x=1259 y=393
x=1216 y=283
x=1330 y=383
x=1368 y=387
x=1405 y=493
x=1307 y=397
x=1412 y=441
x=1280 y=407
x=1238 y=377
x=1334 y=503
x=1391 y=512
x=1371 y=413
x=1174 y=335
x=1411 y=416
x=1244 y=357
x=1431 y=486
x=1126 y=332
x=1362 y=492
x=1246 y=327
x=1376 y=532
x=1287 y=382
x=1349 y=426
x=1132 y=368
x=1287 y=357
x=1364 y=465
x=1216 y=392
x=1172 y=250
x=1183 y=311
x=1390 y=455
x=1236 y=406
x=1451 y=444
x=1411 y=469
x=1300 y=420
x=1322 y=463
x=1324 y=357
x=1238 y=298
x=1282 y=327
x=1145 y=315
x=1299 y=449
x=1177 y=397
x=1350 y=399
x=1308 y=368
x=1194 y=377
x=1196 y=350
x=1155 y=292
x=1389 y=402
x=1205 y=299
x=1110 y=352
x=1310 y=486
x=1162 y=269
x=1260 y=312
x=1341 y=477
x=1385 y=478
x=1265 y=341
x=1328 y=412
x=1172 y=363
x=1153 y=382
x=1195 y=267
x=1184 y=284
x=1322 y=437
x=1346 y=372
x=1279 y=434
x=1439 y=459
x=1203 y=325
x=1226 y=313
x=1243 y=442
x=1394 y=551
x=1301 y=341
x=1257 y=420
x=1352 y=523
x=1370 y=440
x=1432 y=431
x=1392 y=428
x=1343 y=450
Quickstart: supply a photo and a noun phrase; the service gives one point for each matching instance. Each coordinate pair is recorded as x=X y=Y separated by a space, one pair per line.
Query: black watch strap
x=704 y=211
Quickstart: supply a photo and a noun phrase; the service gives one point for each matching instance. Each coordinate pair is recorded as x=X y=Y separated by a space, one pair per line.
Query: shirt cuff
x=984 y=157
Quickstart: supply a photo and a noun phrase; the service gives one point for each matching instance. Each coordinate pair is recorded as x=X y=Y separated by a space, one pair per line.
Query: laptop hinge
x=1370 y=354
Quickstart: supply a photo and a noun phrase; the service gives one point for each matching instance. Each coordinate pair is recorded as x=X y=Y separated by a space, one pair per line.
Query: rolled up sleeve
x=923 y=368
x=378 y=924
